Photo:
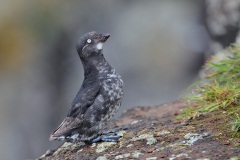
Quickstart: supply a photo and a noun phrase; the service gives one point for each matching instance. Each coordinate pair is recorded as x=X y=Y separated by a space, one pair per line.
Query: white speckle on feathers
x=74 y=136
x=100 y=98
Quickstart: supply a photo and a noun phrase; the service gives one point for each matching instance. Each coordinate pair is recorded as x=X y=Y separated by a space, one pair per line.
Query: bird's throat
x=93 y=66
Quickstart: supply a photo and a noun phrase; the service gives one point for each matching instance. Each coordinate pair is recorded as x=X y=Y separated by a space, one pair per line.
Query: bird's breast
x=113 y=88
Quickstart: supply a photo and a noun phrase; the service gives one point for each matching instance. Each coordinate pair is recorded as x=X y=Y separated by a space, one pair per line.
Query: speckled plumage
x=99 y=97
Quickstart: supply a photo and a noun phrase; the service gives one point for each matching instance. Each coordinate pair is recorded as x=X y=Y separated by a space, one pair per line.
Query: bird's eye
x=89 y=41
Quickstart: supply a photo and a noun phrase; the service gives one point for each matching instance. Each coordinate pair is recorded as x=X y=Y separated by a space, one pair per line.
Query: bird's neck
x=95 y=66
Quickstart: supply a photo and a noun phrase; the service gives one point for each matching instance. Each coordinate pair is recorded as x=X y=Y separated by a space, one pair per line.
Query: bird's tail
x=53 y=137
x=68 y=124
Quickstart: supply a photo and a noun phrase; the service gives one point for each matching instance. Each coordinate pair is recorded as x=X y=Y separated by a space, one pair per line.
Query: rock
x=153 y=136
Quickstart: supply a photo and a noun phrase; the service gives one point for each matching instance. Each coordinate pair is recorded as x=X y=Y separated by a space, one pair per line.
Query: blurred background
x=157 y=46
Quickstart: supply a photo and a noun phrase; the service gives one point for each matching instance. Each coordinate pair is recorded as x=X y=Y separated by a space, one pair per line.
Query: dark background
x=157 y=46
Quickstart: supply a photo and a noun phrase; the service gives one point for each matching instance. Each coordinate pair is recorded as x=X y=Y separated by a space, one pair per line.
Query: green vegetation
x=236 y=124
x=219 y=89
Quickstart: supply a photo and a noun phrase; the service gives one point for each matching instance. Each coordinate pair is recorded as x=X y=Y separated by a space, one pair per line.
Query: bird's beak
x=104 y=37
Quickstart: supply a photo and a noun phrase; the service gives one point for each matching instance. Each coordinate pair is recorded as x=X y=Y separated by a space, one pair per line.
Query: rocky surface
x=152 y=133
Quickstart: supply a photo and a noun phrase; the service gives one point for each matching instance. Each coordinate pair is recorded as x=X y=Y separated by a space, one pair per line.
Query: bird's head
x=91 y=44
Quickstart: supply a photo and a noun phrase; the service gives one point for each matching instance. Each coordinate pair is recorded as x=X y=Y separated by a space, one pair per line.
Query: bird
x=98 y=98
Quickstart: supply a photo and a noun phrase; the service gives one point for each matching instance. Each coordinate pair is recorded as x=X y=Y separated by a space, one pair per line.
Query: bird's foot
x=110 y=138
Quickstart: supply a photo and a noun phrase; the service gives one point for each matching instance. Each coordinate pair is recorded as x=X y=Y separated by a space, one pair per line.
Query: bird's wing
x=83 y=100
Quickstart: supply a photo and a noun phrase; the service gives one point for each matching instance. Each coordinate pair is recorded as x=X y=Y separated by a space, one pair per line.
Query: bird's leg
x=108 y=138
x=111 y=138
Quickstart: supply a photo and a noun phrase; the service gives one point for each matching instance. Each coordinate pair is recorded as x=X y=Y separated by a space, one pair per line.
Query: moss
x=234 y=158
x=186 y=112
x=219 y=91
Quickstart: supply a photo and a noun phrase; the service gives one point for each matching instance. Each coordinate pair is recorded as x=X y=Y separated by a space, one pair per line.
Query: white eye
x=89 y=41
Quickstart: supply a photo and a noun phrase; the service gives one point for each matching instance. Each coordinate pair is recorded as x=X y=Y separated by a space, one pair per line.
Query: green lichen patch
x=181 y=155
x=123 y=156
x=148 y=137
x=152 y=158
x=191 y=138
x=102 y=158
x=163 y=132
x=104 y=146
x=137 y=154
